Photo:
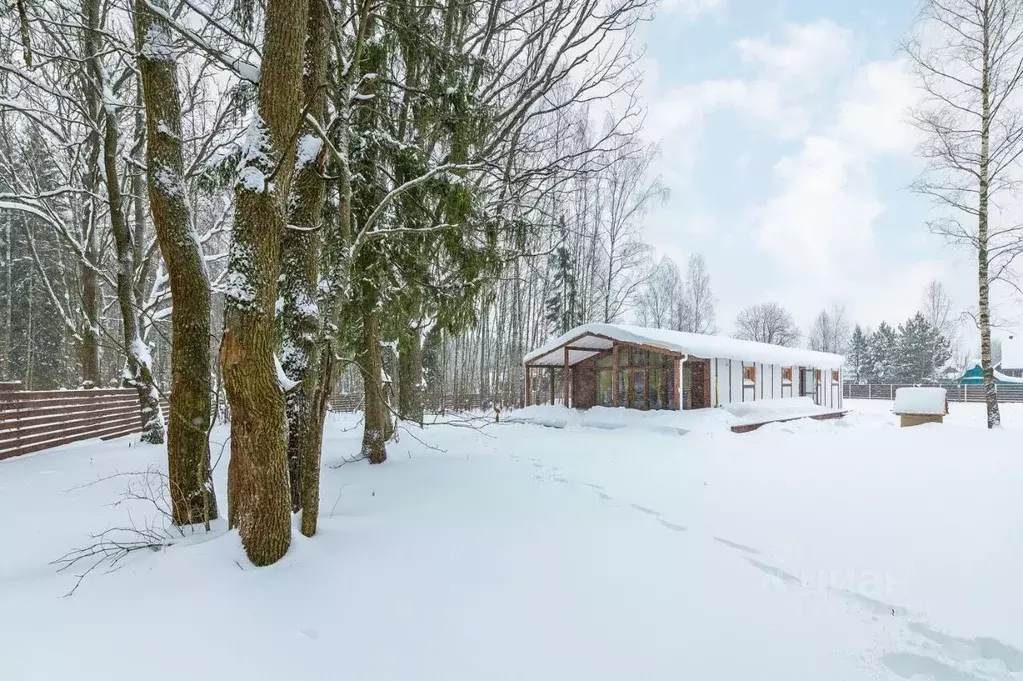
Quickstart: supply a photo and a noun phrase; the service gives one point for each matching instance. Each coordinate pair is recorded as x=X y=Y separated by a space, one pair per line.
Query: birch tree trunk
x=258 y=500
x=193 y=499
x=994 y=419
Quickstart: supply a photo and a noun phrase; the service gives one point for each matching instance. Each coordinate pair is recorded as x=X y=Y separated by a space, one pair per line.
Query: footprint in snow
x=737 y=545
x=672 y=526
x=644 y=509
x=973 y=649
x=911 y=666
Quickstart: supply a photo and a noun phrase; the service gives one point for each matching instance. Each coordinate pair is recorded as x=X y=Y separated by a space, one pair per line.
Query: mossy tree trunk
x=193 y=499
x=258 y=497
x=376 y=429
x=300 y=246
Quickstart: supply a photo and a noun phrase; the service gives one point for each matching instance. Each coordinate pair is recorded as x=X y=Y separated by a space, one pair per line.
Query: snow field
x=846 y=549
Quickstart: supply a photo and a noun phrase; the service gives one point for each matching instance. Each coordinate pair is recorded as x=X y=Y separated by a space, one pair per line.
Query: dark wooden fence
x=33 y=420
x=1007 y=392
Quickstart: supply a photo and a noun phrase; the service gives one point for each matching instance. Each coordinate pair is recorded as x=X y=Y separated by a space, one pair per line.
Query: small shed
x=916 y=406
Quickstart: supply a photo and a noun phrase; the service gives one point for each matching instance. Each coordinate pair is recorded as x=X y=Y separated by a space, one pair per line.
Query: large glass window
x=604 y=387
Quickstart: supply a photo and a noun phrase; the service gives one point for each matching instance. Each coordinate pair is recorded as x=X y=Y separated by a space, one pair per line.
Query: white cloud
x=819 y=227
x=808 y=51
x=773 y=99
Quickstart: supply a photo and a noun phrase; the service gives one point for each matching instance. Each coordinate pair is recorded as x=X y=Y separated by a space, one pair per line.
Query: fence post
x=891 y=391
x=868 y=392
x=966 y=392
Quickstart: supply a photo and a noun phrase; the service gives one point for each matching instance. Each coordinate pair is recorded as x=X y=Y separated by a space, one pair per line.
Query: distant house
x=975 y=376
x=628 y=366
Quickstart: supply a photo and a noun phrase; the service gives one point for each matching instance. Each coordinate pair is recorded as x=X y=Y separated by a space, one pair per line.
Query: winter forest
x=252 y=206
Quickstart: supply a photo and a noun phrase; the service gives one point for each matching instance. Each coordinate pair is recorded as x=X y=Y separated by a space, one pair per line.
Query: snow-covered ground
x=826 y=550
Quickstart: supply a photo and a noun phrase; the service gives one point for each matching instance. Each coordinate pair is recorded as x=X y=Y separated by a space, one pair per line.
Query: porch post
x=614 y=374
x=552 y=386
x=566 y=379
x=677 y=367
x=529 y=386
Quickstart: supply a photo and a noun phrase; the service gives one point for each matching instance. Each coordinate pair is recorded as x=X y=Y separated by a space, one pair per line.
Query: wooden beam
x=529 y=386
x=615 y=368
x=565 y=379
x=552 y=385
x=677 y=368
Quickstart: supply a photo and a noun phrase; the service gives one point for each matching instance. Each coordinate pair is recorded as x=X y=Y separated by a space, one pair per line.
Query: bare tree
x=696 y=311
x=939 y=311
x=629 y=196
x=767 y=323
x=658 y=303
x=830 y=331
x=968 y=55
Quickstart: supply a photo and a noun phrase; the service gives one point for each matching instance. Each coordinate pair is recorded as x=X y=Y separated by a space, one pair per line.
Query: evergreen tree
x=859 y=354
x=562 y=303
x=923 y=351
x=884 y=354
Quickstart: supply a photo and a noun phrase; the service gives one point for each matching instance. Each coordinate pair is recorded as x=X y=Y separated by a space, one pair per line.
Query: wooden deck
x=749 y=427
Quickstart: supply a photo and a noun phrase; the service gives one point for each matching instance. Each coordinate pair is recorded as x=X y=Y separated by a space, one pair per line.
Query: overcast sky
x=786 y=146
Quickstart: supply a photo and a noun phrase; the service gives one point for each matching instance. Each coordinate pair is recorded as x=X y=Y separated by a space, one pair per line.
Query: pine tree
x=922 y=349
x=884 y=354
x=562 y=303
x=859 y=354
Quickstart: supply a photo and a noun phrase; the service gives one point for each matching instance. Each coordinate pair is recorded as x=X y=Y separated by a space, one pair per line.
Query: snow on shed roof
x=920 y=401
x=589 y=339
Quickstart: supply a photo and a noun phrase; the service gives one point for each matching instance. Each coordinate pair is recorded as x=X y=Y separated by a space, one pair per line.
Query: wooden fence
x=33 y=420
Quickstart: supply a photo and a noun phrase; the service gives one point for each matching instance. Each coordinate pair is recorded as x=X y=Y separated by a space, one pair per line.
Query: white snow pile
x=817 y=551
x=309 y=147
x=287 y=384
x=680 y=422
x=760 y=411
x=608 y=418
x=920 y=401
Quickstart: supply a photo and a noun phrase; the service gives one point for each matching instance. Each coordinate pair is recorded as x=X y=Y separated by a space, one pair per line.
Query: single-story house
x=629 y=366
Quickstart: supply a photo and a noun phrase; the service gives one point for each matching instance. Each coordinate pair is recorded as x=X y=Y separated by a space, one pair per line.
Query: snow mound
x=681 y=422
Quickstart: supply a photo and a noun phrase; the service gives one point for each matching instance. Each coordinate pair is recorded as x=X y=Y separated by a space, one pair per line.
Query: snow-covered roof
x=1005 y=378
x=1012 y=352
x=590 y=339
x=920 y=401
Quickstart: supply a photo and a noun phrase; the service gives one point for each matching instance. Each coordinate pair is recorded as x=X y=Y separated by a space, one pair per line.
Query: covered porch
x=592 y=369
